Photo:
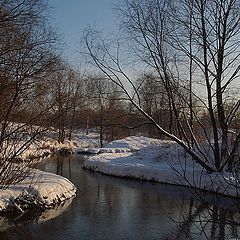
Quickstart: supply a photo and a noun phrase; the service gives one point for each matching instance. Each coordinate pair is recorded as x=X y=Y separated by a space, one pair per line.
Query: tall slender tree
x=173 y=38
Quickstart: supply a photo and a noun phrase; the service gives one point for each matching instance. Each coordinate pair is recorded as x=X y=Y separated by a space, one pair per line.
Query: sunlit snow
x=160 y=161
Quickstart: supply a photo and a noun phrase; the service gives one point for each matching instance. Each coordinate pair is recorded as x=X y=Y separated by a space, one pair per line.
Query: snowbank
x=40 y=189
x=160 y=161
x=125 y=145
x=134 y=143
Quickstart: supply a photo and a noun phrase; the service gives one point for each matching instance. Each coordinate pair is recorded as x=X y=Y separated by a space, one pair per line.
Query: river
x=108 y=208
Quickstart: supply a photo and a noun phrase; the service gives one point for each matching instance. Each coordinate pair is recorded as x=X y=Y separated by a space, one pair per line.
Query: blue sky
x=72 y=16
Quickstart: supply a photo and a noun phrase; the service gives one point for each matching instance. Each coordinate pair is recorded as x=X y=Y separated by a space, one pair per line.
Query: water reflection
x=23 y=222
x=112 y=208
x=201 y=220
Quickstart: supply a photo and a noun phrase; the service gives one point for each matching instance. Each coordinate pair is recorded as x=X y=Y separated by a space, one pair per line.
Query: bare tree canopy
x=28 y=50
x=192 y=47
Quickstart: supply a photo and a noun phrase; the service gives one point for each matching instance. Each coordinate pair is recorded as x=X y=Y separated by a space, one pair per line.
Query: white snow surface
x=134 y=143
x=160 y=161
x=128 y=144
x=39 y=189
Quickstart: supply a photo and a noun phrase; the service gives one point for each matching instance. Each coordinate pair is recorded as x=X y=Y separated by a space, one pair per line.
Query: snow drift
x=39 y=190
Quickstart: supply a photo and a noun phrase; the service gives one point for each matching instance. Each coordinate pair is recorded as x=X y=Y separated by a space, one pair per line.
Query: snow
x=133 y=143
x=125 y=145
x=43 y=189
x=80 y=142
x=160 y=161
x=133 y=157
x=39 y=189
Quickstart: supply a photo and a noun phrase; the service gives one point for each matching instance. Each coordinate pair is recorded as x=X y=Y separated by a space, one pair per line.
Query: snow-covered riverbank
x=160 y=161
x=39 y=190
x=42 y=189
x=133 y=157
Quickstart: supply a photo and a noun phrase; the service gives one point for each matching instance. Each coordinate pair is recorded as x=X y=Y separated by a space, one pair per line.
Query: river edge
x=160 y=161
x=39 y=190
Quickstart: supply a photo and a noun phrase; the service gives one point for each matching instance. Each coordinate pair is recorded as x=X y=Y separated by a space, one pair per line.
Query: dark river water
x=110 y=208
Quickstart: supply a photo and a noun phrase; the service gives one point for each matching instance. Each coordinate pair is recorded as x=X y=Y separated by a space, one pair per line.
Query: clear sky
x=72 y=16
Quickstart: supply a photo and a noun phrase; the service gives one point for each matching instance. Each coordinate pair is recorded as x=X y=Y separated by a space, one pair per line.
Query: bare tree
x=65 y=91
x=27 y=52
x=154 y=101
x=213 y=39
x=105 y=100
x=166 y=35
